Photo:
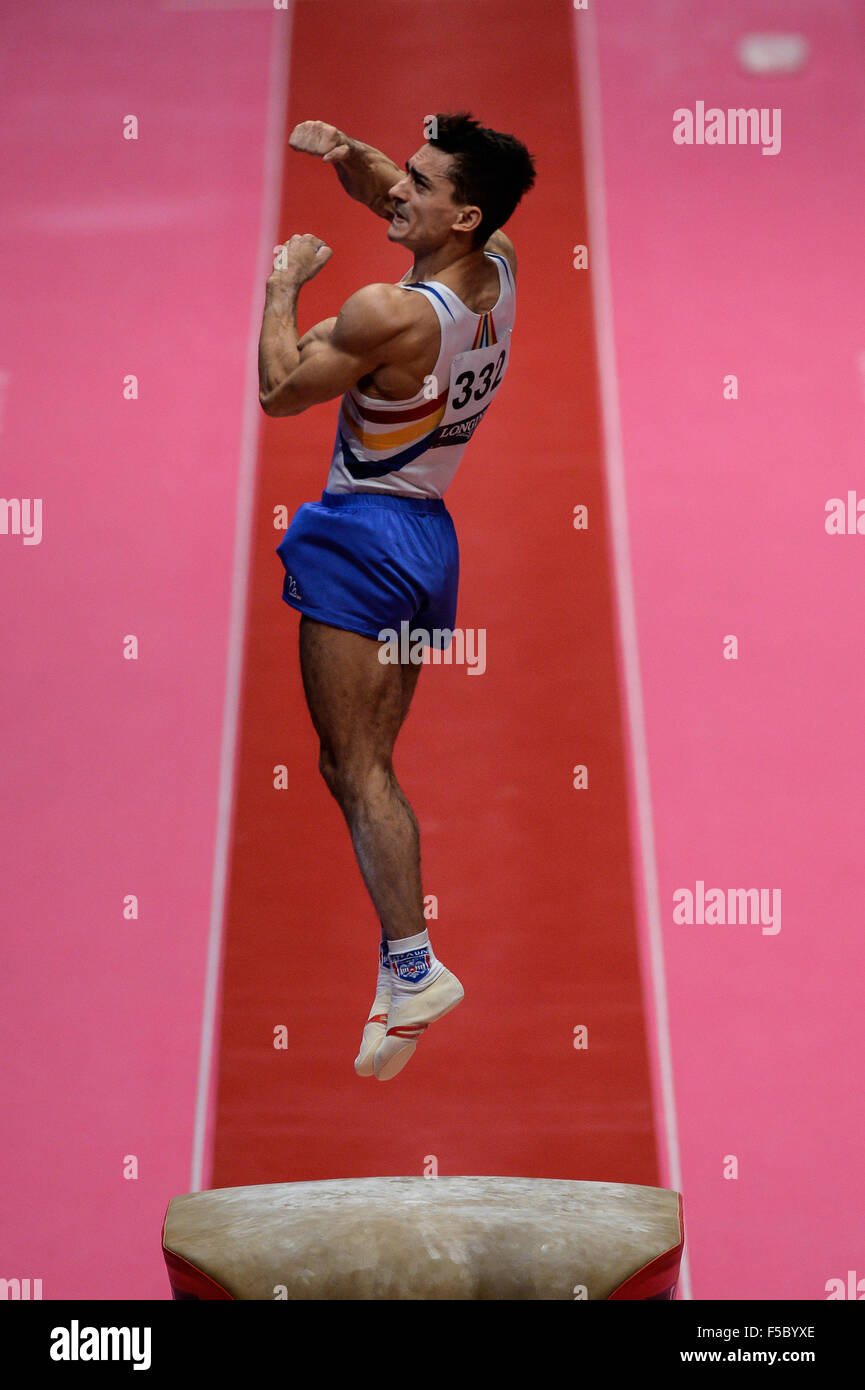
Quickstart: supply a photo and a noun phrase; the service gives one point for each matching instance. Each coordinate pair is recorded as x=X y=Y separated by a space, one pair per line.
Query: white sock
x=413 y=964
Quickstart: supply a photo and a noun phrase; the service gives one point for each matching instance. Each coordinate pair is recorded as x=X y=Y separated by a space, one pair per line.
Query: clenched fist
x=298 y=260
x=319 y=138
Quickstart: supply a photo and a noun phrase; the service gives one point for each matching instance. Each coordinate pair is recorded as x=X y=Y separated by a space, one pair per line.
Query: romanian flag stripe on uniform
x=486 y=331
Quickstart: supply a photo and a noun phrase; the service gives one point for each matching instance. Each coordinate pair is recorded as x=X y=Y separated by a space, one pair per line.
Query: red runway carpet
x=532 y=877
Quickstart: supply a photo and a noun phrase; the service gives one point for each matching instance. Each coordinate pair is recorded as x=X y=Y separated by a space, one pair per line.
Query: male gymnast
x=416 y=365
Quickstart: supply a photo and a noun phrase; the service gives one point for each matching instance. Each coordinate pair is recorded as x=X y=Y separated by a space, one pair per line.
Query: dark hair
x=490 y=170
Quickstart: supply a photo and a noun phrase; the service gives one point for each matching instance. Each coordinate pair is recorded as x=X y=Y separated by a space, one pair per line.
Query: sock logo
x=411 y=965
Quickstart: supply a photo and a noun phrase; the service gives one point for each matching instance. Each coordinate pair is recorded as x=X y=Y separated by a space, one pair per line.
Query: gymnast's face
x=426 y=211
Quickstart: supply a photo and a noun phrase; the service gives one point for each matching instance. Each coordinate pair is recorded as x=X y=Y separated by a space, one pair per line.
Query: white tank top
x=413 y=447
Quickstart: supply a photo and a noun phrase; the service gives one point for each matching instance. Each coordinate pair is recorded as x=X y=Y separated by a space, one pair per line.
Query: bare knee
x=353 y=778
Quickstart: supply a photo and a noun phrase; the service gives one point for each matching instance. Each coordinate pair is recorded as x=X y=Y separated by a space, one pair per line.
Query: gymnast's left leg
x=358 y=705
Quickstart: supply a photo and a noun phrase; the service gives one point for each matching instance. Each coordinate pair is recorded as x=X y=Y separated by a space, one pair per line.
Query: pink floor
x=120 y=258
x=723 y=260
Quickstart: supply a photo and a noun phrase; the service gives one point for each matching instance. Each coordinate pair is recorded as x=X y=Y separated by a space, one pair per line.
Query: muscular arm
x=365 y=173
x=280 y=348
x=334 y=355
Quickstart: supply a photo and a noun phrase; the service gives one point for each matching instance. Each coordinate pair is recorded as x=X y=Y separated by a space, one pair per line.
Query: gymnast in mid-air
x=416 y=365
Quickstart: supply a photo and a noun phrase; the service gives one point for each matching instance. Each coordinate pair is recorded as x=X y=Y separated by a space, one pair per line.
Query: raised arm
x=367 y=175
x=364 y=172
x=370 y=330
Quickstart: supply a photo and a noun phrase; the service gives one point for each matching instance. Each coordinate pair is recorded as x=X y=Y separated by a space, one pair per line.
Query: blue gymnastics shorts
x=370 y=561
